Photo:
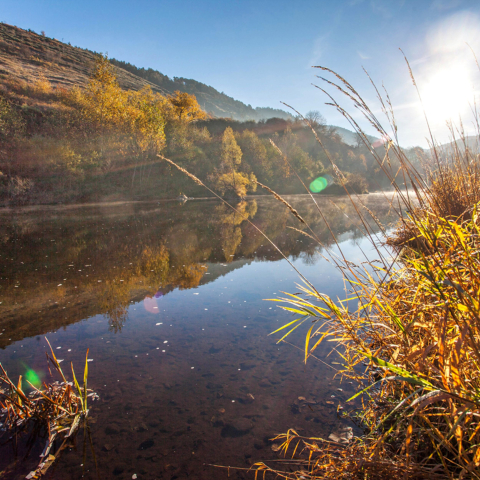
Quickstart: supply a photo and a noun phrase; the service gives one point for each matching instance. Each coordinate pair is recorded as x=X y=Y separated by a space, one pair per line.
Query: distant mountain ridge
x=470 y=141
x=27 y=56
x=210 y=99
x=349 y=137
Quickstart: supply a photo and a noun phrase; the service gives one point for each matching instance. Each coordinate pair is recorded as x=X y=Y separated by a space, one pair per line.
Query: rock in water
x=342 y=435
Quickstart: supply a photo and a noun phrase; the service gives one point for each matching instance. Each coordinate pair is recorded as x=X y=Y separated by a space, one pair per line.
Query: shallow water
x=169 y=299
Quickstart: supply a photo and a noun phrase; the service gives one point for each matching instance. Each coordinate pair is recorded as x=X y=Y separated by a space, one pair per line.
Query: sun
x=447 y=93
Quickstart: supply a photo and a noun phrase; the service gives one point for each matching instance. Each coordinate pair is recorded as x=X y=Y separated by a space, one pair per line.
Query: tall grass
x=409 y=330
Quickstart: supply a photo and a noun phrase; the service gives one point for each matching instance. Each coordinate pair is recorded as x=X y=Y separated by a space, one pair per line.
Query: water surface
x=169 y=298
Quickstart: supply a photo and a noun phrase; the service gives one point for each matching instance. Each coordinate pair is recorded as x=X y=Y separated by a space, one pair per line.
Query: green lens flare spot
x=318 y=185
x=33 y=378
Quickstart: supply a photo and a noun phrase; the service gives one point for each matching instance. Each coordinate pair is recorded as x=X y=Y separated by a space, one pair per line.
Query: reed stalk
x=58 y=407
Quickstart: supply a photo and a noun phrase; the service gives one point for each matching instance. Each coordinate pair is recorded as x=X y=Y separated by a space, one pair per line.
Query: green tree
x=255 y=157
x=231 y=153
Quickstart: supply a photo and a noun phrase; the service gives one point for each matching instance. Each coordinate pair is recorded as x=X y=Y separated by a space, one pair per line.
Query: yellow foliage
x=185 y=107
x=147 y=116
x=42 y=86
x=231 y=152
x=236 y=182
x=136 y=117
x=103 y=102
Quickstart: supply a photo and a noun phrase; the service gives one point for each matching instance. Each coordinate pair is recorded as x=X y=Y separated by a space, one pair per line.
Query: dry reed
x=57 y=408
x=415 y=321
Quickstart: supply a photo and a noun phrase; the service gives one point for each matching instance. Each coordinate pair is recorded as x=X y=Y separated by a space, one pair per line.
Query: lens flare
x=150 y=304
x=320 y=183
x=32 y=377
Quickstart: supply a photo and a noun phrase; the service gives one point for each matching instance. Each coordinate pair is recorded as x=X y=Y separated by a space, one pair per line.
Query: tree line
x=60 y=145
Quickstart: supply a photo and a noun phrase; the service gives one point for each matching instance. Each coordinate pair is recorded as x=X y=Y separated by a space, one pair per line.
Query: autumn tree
x=299 y=160
x=315 y=118
x=255 y=157
x=185 y=107
x=102 y=102
x=146 y=114
x=231 y=152
x=125 y=124
x=227 y=179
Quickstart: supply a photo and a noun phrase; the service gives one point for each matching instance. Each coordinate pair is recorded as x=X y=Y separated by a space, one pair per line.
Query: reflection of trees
x=113 y=298
x=309 y=258
x=154 y=259
x=231 y=238
x=230 y=231
x=163 y=248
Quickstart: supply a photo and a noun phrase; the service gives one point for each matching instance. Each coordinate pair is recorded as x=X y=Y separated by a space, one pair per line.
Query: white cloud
x=363 y=56
x=319 y=47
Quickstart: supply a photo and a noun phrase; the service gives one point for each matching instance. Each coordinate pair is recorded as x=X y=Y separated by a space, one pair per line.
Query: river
x=169 y=299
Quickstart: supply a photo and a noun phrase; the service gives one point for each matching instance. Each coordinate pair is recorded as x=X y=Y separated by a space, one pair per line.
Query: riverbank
x=408 y=333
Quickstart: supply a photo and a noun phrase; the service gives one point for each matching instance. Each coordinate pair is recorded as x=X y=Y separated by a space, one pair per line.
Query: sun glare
x=447 y=93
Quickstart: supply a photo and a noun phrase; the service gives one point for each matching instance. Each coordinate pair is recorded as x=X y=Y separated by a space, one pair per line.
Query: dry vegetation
x=56 y=410
x=26 y=57
x=408 y=333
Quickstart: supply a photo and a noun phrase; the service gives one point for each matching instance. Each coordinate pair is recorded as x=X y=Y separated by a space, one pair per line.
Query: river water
x=169 y=299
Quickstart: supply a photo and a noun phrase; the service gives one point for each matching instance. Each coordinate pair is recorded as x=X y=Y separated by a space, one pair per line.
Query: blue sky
x=261 y=52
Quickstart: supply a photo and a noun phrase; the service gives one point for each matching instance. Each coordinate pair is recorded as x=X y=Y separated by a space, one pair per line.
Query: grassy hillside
x=26 y=56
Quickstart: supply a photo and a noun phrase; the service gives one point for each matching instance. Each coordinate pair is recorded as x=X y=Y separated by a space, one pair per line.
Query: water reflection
x=61 y=266
x=169 y=300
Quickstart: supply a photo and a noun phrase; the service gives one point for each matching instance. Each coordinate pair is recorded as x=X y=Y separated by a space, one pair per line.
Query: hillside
x=211 y=100
x=27 y=56
x=470 y=141
x=349 y=137
x=101 y=140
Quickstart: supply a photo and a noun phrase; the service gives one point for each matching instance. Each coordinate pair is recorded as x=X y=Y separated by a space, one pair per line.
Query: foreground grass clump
x=409 y=331
x=421 y=333
x=408 y=335
x=55 y=410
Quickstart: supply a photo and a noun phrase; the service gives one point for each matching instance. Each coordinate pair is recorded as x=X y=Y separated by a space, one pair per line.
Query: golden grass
x=415 y=320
